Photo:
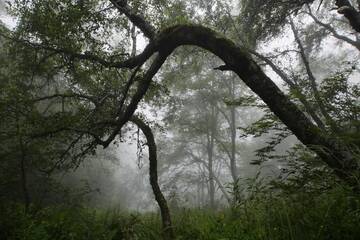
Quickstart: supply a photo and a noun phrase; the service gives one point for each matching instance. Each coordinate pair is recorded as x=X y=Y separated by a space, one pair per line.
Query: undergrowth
x=333 y=214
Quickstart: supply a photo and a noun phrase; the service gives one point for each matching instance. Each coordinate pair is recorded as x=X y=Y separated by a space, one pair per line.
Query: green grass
x=333 y=215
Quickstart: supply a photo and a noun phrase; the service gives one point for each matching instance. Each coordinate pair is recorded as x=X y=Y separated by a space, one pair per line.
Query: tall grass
x=333 y=214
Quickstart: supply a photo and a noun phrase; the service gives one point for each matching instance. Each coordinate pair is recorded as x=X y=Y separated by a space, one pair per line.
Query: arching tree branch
x=333 y=151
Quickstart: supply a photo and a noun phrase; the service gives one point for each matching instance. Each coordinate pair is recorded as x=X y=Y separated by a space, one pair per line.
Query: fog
x=118 y=176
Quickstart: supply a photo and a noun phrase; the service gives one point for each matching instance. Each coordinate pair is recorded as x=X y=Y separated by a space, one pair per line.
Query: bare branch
x=312 y=78
x=333 y=31
x=129 y=83
x=130 y=63
x=90 y=98
x=293 y=86
x=143 y=86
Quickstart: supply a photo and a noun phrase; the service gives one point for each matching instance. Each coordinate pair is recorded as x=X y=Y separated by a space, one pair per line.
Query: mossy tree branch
x=333 y=151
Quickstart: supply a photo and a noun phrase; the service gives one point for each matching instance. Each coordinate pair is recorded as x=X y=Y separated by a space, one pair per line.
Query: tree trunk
x=210 y=147
x=23 y=172
x=168 y=232
x=210 y=152
x=134 y=40
x=233 y=166
x=26 y=194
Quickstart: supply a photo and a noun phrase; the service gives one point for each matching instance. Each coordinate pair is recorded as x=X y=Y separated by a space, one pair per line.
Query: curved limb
x=332 y=150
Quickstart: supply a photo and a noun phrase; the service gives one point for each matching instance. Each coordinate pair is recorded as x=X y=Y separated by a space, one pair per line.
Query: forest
x=179 y=119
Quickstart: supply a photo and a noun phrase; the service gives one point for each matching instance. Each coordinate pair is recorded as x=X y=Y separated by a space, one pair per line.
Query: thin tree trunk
x=233 y=166
x=168 y=232
x=312 y=79
x=210 y=152
x=26 y=195
x=134 y=42
x=217 y=180
x=210 y=146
